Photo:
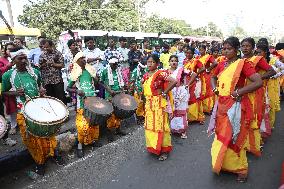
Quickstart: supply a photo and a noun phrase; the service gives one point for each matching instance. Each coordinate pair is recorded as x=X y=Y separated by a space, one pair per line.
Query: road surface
x=125 y=164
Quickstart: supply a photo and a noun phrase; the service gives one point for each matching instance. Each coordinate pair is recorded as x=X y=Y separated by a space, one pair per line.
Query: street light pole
x=138 y=13
x=9 y=7
x=205 y=2
x=207 y=29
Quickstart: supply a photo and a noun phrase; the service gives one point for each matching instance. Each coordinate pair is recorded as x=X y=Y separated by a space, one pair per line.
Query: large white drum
x=3 y=126
x=44 y=116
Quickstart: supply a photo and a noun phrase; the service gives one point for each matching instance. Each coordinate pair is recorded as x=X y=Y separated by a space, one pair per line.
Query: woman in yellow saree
x=195 y=108
x=232 y=112
x=273 y=84
x=207 y=96
x=156 y=85
x=258 y=97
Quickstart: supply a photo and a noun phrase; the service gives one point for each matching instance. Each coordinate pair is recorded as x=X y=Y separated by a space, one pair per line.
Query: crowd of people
x=237 y=83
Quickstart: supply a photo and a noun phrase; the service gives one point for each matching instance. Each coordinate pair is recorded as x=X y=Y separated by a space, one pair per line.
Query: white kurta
x=180 y=94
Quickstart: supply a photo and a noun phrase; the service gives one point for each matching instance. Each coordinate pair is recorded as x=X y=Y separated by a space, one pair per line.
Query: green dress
x=84 y=83
x=135 y=80
x=14 y=80
x=104 y=79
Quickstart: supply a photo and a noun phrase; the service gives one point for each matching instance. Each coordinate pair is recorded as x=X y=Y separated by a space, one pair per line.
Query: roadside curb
x=13 y=160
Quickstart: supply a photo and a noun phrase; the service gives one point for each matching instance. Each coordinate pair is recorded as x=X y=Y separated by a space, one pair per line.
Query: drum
x=3 y=126
x=44 y=116
x=124 y=105
x=97 y=110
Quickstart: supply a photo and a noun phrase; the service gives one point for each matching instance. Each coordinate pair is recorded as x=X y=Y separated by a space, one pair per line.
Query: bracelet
x=215 y=89
x=237 y=91
x=164 y=94
x=206 y=70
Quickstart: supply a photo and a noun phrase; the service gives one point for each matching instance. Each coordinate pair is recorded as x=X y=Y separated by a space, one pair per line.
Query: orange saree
x=207 y=94
x=195 y=108
x=228 y=148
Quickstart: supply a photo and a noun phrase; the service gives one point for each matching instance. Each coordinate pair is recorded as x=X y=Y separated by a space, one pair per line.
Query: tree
x=157 y=24
x=256 y=38
x=212 y=30
x=238 y=32
x=54 y=16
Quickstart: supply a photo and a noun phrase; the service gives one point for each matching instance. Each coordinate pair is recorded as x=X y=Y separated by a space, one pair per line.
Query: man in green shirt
x=24 y=82
x=83 y=76
x=112 y=80
x=136 y=89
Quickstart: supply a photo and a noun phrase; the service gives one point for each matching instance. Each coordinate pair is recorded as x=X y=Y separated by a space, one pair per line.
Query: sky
x=255 y=16
x=258 y=17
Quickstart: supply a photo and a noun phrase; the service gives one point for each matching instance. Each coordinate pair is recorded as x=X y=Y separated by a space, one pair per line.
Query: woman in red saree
x=257 y=98
x=232 y=111
x=156 y=85
x=195 y=108
x=10 y=101
x=207 y=95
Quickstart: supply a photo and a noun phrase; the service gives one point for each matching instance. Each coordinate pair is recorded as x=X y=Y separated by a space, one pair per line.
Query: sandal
x=12 y=131
x=183 y=136
x=242 y=178
x=163 y=157
x=202 y=122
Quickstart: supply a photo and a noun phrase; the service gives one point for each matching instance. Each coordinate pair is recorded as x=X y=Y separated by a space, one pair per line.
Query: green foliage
x=238 y=32
x=212 y=31
x=54 y=16
x=166 y=25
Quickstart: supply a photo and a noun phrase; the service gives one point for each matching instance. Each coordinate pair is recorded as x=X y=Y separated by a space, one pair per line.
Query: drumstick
x=34 y=102
x=51 y=106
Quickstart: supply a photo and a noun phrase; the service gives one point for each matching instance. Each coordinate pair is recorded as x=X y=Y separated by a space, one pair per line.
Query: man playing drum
x=112 y=80
x=136 y=89
x=25 y=83
x=83 y=76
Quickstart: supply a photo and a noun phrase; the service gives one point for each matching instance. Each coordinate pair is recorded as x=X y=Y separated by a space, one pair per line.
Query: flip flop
x=242 y=178
x=163 y=157
x=183 y=136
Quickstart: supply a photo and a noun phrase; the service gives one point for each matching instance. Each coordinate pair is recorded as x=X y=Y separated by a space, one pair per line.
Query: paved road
x=125 y=164
x=189 y=166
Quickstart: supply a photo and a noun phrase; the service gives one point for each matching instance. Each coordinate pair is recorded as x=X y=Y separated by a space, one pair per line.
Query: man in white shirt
x=94 y=56
x=124 y=51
